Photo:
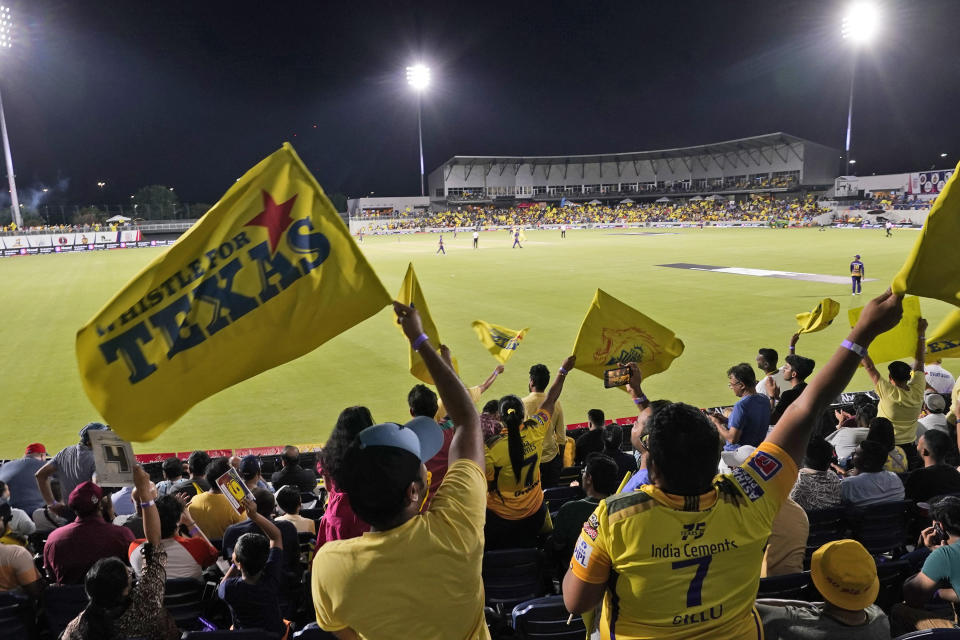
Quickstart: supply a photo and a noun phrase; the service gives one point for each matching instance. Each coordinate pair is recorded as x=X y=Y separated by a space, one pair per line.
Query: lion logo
x=620 y=346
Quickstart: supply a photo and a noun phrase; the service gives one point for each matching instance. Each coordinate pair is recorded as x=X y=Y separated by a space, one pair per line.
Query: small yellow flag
x=412 y=295
x=499 y=341
x=945 y=341
x=268 y=274
x=933 y=268
x=820 y=318
x=613 y=334
x=899 y=342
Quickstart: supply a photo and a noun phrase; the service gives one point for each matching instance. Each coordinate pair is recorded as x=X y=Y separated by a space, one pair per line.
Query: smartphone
x=616 y=377
x=941 y=535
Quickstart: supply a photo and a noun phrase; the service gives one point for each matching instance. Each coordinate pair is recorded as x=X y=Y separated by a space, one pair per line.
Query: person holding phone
x=942 y=566
x=515 y=508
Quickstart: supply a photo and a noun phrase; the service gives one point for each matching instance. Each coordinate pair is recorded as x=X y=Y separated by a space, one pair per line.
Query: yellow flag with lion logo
x=268 y=274
x=613 y=334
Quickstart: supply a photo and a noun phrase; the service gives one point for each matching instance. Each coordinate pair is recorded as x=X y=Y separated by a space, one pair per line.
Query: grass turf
x=722 y=318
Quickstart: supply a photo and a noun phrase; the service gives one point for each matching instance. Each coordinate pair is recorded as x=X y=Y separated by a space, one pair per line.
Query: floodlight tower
x=418 y=77
x=860 y=25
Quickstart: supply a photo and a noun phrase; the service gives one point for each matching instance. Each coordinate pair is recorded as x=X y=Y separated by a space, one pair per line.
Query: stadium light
x=943 y=155
x=859 y=26
x=6 y=41
x=418 y=77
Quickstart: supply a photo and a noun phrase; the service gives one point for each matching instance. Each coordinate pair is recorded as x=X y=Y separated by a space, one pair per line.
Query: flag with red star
x=268 y=274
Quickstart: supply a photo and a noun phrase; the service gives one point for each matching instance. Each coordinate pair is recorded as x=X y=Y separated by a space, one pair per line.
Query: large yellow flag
x=499 y=341
x=267 y=275
x=933 y=268
x=945 y=341
x=899 y=342
x=820 y=318
x=412 y=295
x=613 y=334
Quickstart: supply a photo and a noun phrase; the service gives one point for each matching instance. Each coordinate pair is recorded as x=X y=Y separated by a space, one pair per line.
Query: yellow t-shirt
x=213 y=514
x=383 y=584
x=902 y=406
x=685 y=567
x=955 y=398
x=556 y=433
x=475 y=394
x=788 y=541
x=510 y=497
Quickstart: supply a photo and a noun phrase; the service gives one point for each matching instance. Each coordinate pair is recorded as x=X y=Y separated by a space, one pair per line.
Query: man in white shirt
x=938 y=378
x=767 y=363
x=476 y=239
x=934 y=419
x=871 y=484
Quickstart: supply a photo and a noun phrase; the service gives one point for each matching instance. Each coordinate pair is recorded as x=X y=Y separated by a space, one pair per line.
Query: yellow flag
x=933 y=268
x=265 y=276
x=820 y=318
x=613 y=334
x=412 y=295
x=899 y=342
x=499 y=341
x=945 y=341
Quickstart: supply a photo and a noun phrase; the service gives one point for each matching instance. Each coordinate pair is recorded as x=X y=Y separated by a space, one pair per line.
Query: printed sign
x=114 y=459
x=233 y=488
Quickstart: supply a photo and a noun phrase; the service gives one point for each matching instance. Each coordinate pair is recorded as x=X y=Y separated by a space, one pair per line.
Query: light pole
x=860 y=25
x=418 y=77
x=6 y=41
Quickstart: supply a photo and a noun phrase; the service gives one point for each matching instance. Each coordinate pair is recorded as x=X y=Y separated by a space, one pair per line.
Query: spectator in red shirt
x=339 y=522
x=72 y=549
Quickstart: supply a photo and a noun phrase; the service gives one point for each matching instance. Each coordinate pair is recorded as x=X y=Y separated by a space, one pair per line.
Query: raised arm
x=269 y=529
x=493 y=376
x=921 y=345
x=793 y=342
x=793 y=429
x=871 y=370
x=467 y=439
x=151 y=518
x=550 y=402
x=43 y=476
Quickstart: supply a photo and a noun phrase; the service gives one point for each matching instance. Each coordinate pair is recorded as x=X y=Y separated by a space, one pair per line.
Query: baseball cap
x=934 y=402
x=421 y=436
x=845 y=574
x=857 y=256
x=249 y=465
x=85 y=498
x=35 y=447
x=91 y=426
x=738 y=456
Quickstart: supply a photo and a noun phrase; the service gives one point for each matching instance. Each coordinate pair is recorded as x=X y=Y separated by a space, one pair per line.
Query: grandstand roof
x=727 y=146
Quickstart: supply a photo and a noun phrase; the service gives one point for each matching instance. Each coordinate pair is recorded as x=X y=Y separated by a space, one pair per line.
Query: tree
x=197 y=209
x=156 y=202
x=89 y=216
x=339 y=202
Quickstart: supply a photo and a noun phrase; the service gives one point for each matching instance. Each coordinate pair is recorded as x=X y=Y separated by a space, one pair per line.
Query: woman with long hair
x=515 y=507
x=339 y=522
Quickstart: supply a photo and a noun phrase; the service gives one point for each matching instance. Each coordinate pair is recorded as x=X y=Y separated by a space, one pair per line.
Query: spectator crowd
x=686 y=524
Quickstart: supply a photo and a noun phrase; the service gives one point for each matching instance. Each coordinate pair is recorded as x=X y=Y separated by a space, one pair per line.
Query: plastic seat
x=826 y=525
x=556 y=497
x=569 y=474
x=63 y=603
x=16 y=613
x=892 y=575
x=512 y=576
x=786 y=587
x=882 y=528
x=183 y=598
x=547 y=618
x=307 y=543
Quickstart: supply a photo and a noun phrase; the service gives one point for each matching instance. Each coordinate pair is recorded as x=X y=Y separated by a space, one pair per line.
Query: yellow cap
x=845 y=574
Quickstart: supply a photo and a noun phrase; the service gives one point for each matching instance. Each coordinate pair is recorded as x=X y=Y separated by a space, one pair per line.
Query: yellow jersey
x=902 y=406
x=685 y=566
x=556 y=434
x=510 y=497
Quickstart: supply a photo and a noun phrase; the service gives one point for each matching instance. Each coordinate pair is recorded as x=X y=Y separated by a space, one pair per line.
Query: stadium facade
x=776 y=162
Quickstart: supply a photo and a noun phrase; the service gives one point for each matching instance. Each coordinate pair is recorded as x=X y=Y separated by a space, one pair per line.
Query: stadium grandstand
x=772 y=163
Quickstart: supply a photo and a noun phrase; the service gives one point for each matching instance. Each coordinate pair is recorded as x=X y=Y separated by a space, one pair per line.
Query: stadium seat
x=183 y=598
x=556 y=497
x=16 y=617
x=882 y=528
x=547 y=618
x=307 y=542
x=569 y=474
x=786 y=587
x=512 y=576
x=313 y=632
x=826 y=525
x=931 y=634
x=308 y=500
x=892 y=575
x=63 y=603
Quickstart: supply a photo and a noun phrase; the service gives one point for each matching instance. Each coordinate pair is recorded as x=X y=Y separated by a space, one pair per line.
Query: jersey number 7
x=694 y=596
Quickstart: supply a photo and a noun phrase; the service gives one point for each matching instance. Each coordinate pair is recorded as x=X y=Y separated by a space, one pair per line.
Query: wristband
x=418 y=342
x=640 y=399
x=194 y=528
x=148 y=503
x=563 y=371
x=853 y=346
x=792 y=348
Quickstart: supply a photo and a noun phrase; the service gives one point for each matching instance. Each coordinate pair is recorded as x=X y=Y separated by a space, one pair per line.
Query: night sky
x=191 y=94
